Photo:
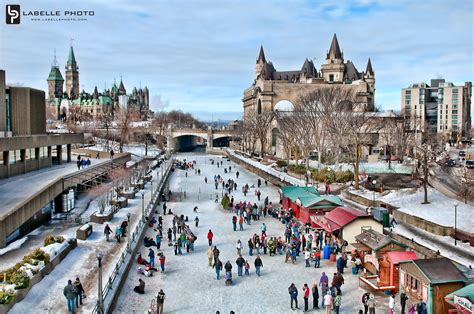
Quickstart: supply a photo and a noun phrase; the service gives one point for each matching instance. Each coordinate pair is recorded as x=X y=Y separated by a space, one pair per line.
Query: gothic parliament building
x=90 y=105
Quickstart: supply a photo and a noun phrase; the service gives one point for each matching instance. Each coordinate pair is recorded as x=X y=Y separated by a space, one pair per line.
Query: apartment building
x=440 y=107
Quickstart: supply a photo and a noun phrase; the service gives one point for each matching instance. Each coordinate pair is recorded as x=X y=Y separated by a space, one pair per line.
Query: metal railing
x=133 y=238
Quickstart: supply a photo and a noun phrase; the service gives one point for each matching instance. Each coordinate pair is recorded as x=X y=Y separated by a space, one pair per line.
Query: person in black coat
x=240 y=264
x=315 y=292
x=403 y=301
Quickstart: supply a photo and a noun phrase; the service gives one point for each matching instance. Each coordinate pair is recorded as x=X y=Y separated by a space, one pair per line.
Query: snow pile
x=84 y=227
x=13 y=246
x=54 y=249
x=440 y=210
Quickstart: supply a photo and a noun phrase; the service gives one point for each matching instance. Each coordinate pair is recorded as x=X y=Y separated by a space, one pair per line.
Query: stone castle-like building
x=271 y=87
x=90 y=105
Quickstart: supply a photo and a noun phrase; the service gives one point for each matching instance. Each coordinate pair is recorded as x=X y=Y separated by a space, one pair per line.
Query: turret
x=333 y=69
x=55 y=81
x=260 y=64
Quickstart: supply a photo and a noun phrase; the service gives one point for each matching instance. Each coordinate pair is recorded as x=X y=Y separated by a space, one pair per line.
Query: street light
x=455 y=222
x=374 y=183
x=100 y=300
x=143 y=206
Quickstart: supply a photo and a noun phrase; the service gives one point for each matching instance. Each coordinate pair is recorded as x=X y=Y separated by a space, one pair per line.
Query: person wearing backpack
x=160 y=300
x=365 y=302
x=79 y=291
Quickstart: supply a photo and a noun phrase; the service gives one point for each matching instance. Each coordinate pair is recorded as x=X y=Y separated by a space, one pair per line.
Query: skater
x=328 y=302
x=403 y=301
x=162 y=262
x=140 y=288
x=107 y=232
x=239 y=247
x=307 y=255
x=215 y=253
x=158 y=241
x=241 y=223
x=151 y=255
x=160 y=300
x=315 y=293
x=195 y=209
x=293 y=291
x=371 y=304
x=170 y=233
x=69 y=293
x=218 y=267
x=210 y=235
x=247 y=268
x=337 y=301
x=210 y=256
x=234 y=222
x=305 y=296
x=250 y=247
x=258 y=264
x=263 y=228
x=237 y=174
x=79 y=291
x=240 y=264
x=196 y=220
x=118 y=233
x=340 y=264
x=391 y=304
x=365 y=302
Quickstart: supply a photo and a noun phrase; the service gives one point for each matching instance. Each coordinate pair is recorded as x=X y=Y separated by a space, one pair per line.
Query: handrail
x=132 y=238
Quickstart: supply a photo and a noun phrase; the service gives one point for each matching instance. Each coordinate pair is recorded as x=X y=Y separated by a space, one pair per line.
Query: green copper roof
x=114 y=88
x=71 y=59
x=293 y=192
x=55 y=74
x=323 y=201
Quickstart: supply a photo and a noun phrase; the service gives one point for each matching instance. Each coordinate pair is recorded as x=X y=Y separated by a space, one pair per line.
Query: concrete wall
x=28 y=111
x=2 y=101
x=423 y=224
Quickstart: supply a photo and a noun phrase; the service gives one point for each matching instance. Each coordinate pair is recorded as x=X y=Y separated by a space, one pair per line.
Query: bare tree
x=259 y=124
x=426 y=154
x=125 y=115
x=349 y=129
x=466 y=190
x=286 y=133
x=395 y=138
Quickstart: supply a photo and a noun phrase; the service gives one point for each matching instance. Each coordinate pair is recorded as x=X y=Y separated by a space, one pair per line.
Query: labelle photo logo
x=12 y=13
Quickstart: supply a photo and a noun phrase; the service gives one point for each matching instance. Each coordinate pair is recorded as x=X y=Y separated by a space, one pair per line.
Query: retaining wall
x=48 y=268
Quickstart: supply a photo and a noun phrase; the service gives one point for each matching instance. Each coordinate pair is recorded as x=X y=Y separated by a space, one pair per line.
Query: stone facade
x=271 y=86
x=86 y=105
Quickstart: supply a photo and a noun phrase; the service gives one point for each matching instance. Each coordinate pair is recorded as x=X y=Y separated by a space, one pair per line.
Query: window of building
x=43 y=152
x=455 y=91
x=30 y=154
x=15 y=156
x=259 y=107
x=454 y=112
x=8 y=113
x=407 y=102
x=408 y=97
x=331 y=77
x=408 y=92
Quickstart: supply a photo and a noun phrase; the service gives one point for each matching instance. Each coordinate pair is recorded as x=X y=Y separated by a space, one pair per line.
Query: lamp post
x=100 y=299
x=143 y=207
x=455 y=222
x=374 y=183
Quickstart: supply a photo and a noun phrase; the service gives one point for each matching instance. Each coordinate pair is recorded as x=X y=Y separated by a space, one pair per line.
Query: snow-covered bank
x=440 y=210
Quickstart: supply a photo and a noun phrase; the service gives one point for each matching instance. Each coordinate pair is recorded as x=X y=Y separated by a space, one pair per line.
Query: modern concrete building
x=440 y=107
x=24 y=144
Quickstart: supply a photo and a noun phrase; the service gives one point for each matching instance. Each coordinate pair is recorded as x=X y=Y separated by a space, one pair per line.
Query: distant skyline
x=199 y=56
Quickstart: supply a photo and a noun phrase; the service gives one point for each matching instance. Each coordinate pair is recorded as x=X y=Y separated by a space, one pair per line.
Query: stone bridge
x=209 y=135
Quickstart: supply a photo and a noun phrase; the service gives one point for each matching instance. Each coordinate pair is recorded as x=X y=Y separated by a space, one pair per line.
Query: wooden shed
x=430 y=280
x=374 y=245
x=389 y=271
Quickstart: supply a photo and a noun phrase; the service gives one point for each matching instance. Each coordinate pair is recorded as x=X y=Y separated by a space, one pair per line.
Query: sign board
x=463 y=303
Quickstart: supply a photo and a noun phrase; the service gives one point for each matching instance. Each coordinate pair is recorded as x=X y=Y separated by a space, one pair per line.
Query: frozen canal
x=190 y=284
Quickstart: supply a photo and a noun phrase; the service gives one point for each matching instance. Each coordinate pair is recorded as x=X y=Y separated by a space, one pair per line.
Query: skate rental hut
x=388 y=278
x=373 y=245
x=345 y=223
x=305 y=201
x=430 y=280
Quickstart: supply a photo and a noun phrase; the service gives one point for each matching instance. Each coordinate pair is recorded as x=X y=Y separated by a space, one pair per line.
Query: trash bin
x=385 y=219
x=332 y=257
x=327 y=251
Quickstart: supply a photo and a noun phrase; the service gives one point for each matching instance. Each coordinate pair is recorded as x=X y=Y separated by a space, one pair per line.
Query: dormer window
x=331 y=77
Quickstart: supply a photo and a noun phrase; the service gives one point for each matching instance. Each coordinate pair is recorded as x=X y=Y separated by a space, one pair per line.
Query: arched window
x=259 y=107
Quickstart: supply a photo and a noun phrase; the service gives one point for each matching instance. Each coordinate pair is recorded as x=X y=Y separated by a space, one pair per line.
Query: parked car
x=451 y=163
x=470 y=164
x=462 y=155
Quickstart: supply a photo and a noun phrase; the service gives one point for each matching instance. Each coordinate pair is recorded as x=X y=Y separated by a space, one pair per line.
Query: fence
x=110 y=289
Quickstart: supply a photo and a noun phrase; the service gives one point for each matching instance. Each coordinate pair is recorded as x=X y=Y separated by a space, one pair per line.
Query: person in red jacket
x=210 y=235
x=306 y=296
x=162 y=262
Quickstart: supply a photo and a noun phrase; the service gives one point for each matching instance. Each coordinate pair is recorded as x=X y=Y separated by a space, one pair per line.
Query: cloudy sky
x=199 y=56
